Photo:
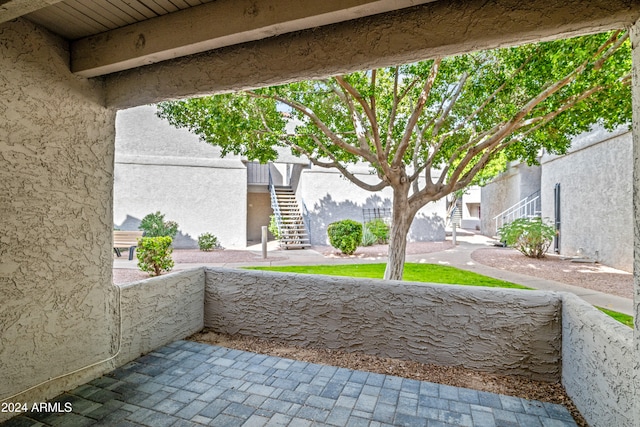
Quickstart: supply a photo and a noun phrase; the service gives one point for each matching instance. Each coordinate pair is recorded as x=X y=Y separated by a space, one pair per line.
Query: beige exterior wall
x=59 y=308
x=258 y=211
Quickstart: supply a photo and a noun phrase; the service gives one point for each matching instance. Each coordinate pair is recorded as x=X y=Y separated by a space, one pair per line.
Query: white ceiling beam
x=211 y=26
x=12 y=9
x=441 y=28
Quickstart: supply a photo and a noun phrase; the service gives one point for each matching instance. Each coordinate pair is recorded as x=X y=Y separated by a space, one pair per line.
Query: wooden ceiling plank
x=115 y=14
x=61 y=16
x=157 y=9
x=54 y=20
x=441 y=28
x=79 y=16
x=180 y=4
x=140 y=8
x=97 y=13
x=196 y=2
x=167 y=5
x=11 y=9
x=213 y=25
x=126 y=9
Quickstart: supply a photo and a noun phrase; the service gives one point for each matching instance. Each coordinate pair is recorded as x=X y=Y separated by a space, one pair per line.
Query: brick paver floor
x=192 y=384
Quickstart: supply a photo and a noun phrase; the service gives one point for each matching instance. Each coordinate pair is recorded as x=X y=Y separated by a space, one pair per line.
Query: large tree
x=460 y=116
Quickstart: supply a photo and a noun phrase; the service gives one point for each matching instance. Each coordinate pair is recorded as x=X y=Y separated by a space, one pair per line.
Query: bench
x=126 y=239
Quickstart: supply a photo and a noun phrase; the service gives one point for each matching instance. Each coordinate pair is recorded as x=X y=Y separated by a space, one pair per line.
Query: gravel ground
x=380 y=251
x=191 y=256
x=595 y=276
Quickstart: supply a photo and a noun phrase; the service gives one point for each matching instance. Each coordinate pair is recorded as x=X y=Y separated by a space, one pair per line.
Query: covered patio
x=67 y=67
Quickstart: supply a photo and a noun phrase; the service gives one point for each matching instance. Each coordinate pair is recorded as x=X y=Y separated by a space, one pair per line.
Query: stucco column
x=58 y=306
x=635 y=91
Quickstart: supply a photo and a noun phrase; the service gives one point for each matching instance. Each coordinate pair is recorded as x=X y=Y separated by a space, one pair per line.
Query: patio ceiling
x=108 y=36
x=114 y=35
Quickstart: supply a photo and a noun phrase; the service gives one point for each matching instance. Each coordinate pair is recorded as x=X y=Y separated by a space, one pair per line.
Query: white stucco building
x=161 y=168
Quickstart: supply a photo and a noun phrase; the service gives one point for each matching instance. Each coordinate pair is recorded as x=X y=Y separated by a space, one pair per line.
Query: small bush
x=345 y=235
x=208 y=242
x=532 y=236
x=368 y=238
x=273 y=227
x=380 y=229
x=154 y=225
x=154 y=254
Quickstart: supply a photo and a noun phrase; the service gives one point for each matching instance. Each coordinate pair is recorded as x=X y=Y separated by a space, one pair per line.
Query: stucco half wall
x=502 y=331
x=597 y=364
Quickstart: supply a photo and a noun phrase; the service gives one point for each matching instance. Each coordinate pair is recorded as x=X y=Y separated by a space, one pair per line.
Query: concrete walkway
x=188 y=384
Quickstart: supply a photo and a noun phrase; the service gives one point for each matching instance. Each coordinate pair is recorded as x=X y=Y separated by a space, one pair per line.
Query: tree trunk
x=402 y=219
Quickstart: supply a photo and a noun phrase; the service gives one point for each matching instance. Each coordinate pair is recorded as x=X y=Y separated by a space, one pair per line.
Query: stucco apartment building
x=586 y=194
x=161 y=168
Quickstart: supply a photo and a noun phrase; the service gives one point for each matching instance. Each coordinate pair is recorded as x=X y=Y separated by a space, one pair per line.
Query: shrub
x=154 y=254
x=532 y=236
x=368 y=238
x=345 y=235
x=380 y=229
x=208 y=242
x=154 y=225
x=273 y=227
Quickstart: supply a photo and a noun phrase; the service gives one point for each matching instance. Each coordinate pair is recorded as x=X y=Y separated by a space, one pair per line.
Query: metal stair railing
x=274 y=204
x=527 y=207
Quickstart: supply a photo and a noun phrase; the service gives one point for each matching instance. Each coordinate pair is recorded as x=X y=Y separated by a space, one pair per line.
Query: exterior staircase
x=456 y=214
x=293 y=232
x=529 y=207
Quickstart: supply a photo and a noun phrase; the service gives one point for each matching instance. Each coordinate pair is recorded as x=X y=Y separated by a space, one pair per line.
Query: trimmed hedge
x=345 y=235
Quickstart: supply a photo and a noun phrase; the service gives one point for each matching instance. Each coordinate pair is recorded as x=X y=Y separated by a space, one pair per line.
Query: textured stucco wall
x=58 y=306
x=329 y=197
x=595 y=197
x=160 y=310
x=597 y=364
x=161 y=168
x=501 y=331
x=635 y=93
x=507 y=189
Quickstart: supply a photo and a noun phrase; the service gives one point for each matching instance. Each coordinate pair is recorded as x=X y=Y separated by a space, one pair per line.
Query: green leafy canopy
x=430 y=128
x=527 y=98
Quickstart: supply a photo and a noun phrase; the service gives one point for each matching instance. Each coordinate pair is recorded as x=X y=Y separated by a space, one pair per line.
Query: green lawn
x=432 y=273
x=620 y=317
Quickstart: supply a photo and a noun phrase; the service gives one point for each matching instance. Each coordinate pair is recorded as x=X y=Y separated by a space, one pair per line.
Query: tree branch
x=415 y=115
x=369 y=112
x=357 y=151
x=392 y=115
